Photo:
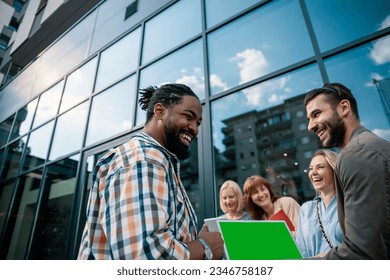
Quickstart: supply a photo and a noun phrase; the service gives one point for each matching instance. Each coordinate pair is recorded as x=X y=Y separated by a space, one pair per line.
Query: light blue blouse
x=310 y=239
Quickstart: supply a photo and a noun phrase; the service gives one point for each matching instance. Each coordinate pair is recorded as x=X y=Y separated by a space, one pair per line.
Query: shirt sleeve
x=291 y=207
x=300 y=236
x=362 y=196
x=137 y=214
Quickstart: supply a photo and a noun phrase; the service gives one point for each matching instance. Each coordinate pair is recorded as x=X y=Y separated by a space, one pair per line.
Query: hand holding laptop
x=214 y=241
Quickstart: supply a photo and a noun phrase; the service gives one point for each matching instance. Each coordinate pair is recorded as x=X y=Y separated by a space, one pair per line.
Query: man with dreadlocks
x=138 y=207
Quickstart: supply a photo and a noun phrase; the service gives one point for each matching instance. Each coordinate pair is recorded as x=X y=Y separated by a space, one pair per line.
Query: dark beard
x=337 y=132
x=173 y=143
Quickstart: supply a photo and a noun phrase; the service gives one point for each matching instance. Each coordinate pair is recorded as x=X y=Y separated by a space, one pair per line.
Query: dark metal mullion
x=42 y=194
x=79 y=194
x=206 y=156
x=138 y=75
x=9 y=223
x=313 y=38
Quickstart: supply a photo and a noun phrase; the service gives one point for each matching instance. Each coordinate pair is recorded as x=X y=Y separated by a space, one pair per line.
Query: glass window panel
x=88 y=169
x=218 y=10
x=24 y=217
x=65 y=54
x=79 y=85
x=112 y=111
x=51 y=234
x=259 y=46
x=184 y=66
x=91 y=162
x=368 y=62
x=5 y=128
x=48 y=104
x=6 y=192
x=13 y=157
x=268 y=109
x=119 y=60
x=24 y=119
x=37 y=146
x=18 y=91
x=69 y=132
x=189 y=172
x=163 y=32
x=111 y=23
x=338 y=22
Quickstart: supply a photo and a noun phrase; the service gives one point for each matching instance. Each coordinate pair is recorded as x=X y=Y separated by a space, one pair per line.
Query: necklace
x=322 y=228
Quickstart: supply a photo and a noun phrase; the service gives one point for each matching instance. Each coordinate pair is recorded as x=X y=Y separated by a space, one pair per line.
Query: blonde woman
x=232 y=202
x=319 y=229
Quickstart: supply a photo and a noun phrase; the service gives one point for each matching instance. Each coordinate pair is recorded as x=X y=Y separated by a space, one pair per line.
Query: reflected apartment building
x=71 y=70
x=272 y=143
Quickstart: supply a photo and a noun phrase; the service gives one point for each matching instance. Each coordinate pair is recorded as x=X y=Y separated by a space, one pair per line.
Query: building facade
x=71 y=71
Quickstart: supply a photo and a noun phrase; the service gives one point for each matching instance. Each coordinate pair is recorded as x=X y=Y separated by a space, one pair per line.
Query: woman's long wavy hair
x=250 y=185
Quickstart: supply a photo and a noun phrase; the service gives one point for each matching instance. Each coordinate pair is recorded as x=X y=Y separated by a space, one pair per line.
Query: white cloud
x=266 y=94
x=252 y=64
x=380 y=52
x=384 y=133
x=375 y=76
x=385 y=23
x=194 y=82
x=216 y=81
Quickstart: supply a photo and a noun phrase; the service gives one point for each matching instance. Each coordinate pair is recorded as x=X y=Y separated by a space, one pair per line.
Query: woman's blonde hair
x=237 y=190
x=330 y=156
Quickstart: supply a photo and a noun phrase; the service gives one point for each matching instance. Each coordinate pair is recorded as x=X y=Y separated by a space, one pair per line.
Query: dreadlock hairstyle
x=168 y=94
x=335 y=92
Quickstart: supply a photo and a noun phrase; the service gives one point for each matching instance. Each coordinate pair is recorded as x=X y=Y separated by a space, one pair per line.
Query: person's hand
x=214 y=240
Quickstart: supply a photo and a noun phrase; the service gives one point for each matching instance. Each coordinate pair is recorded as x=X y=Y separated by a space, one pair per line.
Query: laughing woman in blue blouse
x=318 y=226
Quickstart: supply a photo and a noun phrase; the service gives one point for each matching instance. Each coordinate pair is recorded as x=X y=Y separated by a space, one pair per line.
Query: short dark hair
x=168 y=94
x=335 y=92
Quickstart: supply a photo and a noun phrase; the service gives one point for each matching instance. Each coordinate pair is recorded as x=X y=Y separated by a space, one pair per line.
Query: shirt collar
x=149 y=139
x=361 y=129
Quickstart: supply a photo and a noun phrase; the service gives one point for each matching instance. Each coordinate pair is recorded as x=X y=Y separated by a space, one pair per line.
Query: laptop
x=258 y=240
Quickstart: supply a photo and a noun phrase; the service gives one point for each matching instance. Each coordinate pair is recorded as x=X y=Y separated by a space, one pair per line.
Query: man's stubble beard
x=336 y=129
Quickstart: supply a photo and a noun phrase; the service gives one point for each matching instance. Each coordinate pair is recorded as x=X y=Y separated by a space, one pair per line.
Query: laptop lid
x=258 y=240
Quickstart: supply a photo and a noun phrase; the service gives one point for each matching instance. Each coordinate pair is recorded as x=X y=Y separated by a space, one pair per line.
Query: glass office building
x=250 y=62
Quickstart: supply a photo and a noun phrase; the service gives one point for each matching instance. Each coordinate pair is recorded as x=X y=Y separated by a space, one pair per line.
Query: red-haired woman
x=262 y=203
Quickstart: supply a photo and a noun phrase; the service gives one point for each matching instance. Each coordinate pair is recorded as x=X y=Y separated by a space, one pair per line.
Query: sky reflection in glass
x=257 y=44
x=357 y=69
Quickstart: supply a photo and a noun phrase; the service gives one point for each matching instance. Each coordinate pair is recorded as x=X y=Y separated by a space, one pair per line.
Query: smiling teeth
x=188 y=138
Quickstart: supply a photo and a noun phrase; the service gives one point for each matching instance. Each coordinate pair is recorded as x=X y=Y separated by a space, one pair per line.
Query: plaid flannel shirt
x=138 y=207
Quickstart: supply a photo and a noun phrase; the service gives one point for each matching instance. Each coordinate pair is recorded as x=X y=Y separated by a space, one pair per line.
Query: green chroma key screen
x=258 y=240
